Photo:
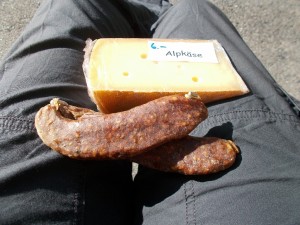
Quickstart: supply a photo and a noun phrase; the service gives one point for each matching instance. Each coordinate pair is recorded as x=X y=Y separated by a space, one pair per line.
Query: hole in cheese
x=195 y=79
x=144 y=56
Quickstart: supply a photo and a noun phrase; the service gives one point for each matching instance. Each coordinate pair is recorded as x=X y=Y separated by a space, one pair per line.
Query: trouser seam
x=16 y=124
x=79 y=199
x=190 y=208
x=75 y=207
x=194 y=206
x=250 y=115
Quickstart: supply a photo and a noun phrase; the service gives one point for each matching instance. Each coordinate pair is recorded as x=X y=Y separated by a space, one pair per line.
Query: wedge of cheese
x=124 y=73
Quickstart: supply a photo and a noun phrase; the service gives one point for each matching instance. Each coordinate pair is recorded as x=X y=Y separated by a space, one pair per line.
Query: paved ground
x=270 y=27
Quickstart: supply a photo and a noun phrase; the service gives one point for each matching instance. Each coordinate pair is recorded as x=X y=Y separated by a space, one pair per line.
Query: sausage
x=85 y=134
x=191 y=156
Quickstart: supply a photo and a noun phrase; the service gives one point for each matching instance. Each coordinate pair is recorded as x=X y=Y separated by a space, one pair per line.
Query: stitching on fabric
x=17 y=128
x=16 y=124
x=207 y=123
x=291 y=117
x=272 y=115
x=186 y=205
x=194 y=202
x=190 y=203
x=15 y=118
x=75 y=208
x=83 y=194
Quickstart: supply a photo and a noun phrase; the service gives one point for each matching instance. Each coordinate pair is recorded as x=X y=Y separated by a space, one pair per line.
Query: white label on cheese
x=182 y=51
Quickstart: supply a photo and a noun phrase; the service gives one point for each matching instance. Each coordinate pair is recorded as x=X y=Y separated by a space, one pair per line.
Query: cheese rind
x=120 y=74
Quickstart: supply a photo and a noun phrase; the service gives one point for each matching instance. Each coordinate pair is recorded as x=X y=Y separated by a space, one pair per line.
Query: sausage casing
x=85 y=134
x=191 y=156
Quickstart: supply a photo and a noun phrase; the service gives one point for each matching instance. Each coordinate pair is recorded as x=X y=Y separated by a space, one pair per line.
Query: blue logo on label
x=153 y=46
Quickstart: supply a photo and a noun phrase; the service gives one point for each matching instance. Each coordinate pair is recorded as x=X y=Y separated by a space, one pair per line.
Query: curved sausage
x=85 y=134
x=191 y=156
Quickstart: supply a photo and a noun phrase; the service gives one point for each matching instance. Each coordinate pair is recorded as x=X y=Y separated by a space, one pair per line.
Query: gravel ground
x=270 y=27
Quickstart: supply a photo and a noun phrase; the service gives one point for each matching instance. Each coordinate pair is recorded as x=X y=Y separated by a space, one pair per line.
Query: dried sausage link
x=85 y=134
x=191 y=156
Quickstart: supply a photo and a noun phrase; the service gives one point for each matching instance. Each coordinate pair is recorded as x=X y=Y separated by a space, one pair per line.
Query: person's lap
x=38 y=185
x=260 y=188
x=46 y=63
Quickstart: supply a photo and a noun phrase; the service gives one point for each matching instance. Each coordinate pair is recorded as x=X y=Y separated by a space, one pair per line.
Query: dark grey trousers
x=39 y=186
